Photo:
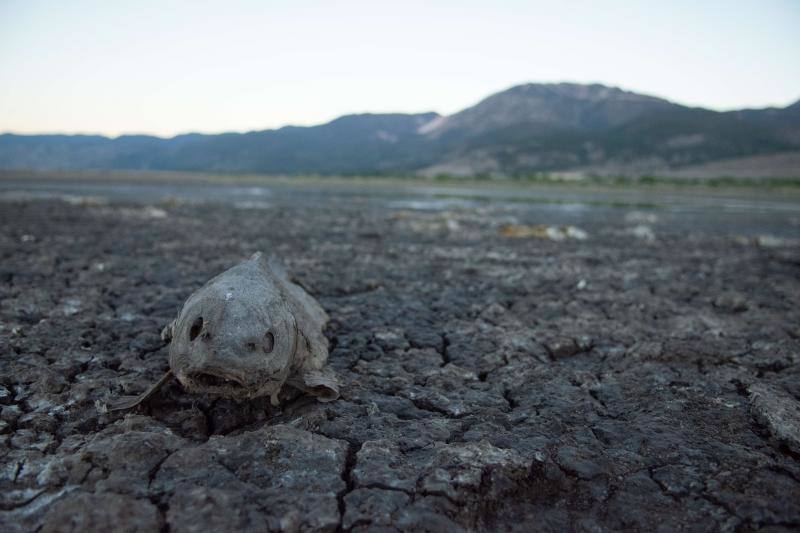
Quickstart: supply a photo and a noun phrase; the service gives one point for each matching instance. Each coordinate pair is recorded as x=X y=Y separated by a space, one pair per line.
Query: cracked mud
x=491 y=382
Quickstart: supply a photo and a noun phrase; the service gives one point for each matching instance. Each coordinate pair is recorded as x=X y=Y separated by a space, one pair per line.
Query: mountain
x=546 y=107
x=349 y=144
x=590 y=129
x=600 y=129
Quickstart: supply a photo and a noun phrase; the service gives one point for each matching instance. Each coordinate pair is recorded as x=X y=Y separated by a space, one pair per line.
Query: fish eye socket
x=197 y=327
x=269 y=342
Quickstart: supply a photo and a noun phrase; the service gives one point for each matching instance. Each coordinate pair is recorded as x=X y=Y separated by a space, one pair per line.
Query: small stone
x=10 y=413
x=579 y=463
x=646 y=350
x=770 y=241
x=390 y=340
x=39 y=422
x=643 y=232
x=189 y=421
x=572 y=232
x=51 y=383
x=23 y=439
x=154 y=212
x=71 y=306
x=552 y=233
x=640 y=217
x=146 y=342
x=678 y=480
x=584 y=342
x=731 y=301
x=493 y=313
x=44 y=442
x=562 y=347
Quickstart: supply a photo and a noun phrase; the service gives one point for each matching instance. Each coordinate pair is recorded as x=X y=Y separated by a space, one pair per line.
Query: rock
x=10 y=413
x=561 y=347
x=146 y=342
x=429 y=514
x=51 y=382
x=458 y=470
x=376 y=467
x=286 y=476
x=579 y=463
x=679 y=480
x=643 y=232
x=391 y=339
x=373 y=507
x=641 y=217
x=552 y=233
x=82 y=511
x=778 y=412
x=571 y=232
x=128 y=453
x=771 y=241
x=732 y=302
x=196 y=509
x=71 y=306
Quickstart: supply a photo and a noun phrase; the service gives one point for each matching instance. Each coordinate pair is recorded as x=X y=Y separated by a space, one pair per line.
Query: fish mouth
x=225 y=385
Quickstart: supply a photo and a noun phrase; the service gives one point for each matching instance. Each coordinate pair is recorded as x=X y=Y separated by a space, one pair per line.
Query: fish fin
x=296 y=289
x=168 y=332
x=258 y=257
x=278 y=268
x=320 y=383
x=124 y=403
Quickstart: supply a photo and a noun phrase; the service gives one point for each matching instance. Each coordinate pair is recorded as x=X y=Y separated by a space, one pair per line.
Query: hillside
x=525 y=129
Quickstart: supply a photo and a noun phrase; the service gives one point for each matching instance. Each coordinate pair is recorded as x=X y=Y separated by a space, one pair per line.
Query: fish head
x=229 y=341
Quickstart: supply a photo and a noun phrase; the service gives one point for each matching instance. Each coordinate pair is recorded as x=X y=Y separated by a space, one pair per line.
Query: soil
x=496 y=376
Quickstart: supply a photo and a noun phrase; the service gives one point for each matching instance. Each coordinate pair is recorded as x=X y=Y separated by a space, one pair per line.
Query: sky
x=169 y=67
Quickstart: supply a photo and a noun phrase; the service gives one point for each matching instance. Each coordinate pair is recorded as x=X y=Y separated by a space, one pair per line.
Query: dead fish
x=247 y=333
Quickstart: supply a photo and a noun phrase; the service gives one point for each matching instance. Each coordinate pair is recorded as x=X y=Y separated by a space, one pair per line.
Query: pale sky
x=167 y=67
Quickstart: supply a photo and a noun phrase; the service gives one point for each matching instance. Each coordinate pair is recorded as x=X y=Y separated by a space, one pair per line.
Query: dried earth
x=495 y=379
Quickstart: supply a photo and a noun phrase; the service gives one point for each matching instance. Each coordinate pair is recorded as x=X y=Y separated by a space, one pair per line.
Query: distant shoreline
x=655 y=184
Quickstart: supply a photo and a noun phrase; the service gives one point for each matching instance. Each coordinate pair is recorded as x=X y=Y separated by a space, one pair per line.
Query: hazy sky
x=167 y=67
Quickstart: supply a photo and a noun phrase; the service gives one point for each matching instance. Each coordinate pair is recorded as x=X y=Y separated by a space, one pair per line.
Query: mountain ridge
x=528 y=128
